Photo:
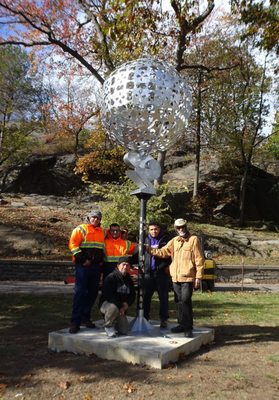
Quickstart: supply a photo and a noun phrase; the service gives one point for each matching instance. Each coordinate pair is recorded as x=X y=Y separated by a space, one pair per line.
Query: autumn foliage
x=102 y=160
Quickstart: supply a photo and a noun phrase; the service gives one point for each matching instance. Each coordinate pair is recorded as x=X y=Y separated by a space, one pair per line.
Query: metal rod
x=142 y=224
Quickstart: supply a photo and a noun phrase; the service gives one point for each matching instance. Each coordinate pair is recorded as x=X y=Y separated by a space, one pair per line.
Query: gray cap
x=180 y=222
x=95 y=213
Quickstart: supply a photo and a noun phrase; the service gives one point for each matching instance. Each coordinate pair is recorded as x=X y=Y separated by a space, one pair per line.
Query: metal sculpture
x=146 y=105
x=145 y=108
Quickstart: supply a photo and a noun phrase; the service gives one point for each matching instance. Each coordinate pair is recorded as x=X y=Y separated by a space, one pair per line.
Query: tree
x=68 y=114
x=102 y=159
x=262 y=21
x=189 y=22
x=235 y=113
x=92 y=34
x=19 y=111
x=206 y=57
x=101 y=35
x=272 y=145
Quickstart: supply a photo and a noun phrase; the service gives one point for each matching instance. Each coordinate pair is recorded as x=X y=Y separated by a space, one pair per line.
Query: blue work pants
x=86 y=292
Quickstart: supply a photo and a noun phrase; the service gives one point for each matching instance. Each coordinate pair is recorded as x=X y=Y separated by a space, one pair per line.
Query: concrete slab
x=156 y=349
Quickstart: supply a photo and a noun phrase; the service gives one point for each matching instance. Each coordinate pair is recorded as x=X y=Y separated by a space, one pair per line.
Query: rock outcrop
x=47 y=175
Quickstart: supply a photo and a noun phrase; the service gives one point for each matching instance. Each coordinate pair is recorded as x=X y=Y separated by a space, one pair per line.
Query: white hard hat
x=180 y=222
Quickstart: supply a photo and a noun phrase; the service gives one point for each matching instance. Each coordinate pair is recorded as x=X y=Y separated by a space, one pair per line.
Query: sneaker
x=164 y=324
x=178 y=329
x=188 y=334
x=89 y=324
x=74 y=328
x=111 y=332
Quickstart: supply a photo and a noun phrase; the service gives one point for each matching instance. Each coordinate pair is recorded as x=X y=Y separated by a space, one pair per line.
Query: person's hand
x=87 y=263
x=197 y=283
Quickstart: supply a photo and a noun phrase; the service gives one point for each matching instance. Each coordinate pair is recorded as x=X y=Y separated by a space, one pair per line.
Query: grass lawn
x=246 y=343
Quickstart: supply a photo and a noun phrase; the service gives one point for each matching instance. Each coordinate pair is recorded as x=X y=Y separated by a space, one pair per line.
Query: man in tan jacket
x=186 y=271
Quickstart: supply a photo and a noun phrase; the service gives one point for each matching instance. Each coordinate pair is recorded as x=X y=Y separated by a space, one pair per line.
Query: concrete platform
x=156 y=348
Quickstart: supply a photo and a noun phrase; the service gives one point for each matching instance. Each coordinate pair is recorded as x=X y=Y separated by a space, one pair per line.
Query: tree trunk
x=198 y=138
x=242 y=195
x=161 y=160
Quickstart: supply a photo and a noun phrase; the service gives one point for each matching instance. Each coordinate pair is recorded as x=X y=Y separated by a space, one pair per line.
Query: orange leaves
x=129 y=387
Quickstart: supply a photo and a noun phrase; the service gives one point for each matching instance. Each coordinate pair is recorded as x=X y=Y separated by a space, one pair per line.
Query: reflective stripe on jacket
x=115 y=248
x=86 y=236
x=187 y=258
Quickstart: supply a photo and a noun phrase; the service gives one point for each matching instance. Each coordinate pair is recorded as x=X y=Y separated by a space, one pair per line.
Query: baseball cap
x=180 y=222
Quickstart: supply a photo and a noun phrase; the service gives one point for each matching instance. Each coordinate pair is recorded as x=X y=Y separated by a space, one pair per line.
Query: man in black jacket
x=118 y=294
x=156 y=273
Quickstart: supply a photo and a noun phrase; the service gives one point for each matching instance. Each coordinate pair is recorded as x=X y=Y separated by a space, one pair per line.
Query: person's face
x=115 y=232
x=181 y=230
x=95 y=221
x=154 y=230
x=124 y=268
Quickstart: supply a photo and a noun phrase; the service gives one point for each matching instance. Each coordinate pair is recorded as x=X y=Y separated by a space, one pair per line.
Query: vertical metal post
x=142 y=224
x=140 y=324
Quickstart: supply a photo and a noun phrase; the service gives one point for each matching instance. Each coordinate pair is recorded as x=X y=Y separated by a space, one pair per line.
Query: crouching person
x=118 y=294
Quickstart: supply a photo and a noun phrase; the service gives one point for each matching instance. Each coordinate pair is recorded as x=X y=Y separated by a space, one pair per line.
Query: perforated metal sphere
x=146 y=105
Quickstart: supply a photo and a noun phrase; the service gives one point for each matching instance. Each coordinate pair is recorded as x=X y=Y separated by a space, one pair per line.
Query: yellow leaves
x=105 y=158
x=129 y=387
x=88 y=396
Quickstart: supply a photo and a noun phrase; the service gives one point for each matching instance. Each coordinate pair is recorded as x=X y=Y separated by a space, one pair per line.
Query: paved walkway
x=36 y=287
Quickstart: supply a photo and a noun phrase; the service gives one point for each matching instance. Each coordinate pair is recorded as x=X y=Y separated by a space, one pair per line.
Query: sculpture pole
x=145 y=107
x=140 y=324
x=146 y=169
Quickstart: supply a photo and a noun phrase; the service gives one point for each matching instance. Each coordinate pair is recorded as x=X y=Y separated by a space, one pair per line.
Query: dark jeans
x=159 y=283
x=183 y=293
x=86 y=292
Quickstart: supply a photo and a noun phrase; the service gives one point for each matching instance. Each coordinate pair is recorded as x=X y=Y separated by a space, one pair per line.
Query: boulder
x=46 y=175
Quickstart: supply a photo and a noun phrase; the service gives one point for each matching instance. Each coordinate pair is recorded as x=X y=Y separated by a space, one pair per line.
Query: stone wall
x=32 y=270
x=252 y=273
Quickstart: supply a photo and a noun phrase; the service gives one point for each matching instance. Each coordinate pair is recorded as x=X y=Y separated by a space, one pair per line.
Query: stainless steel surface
x=146 y=105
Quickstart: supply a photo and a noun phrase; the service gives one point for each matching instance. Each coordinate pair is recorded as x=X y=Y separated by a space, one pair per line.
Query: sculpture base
x=154 y=351
x=140 y=324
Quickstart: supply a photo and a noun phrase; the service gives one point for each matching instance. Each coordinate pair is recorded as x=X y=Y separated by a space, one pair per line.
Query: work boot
x=188 y=334
x=74 y=328
x=178 y=329
x=89 y=324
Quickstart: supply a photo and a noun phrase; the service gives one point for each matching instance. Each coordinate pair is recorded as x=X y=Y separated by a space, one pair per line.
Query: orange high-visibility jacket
x=115 y=248
x=86 y=238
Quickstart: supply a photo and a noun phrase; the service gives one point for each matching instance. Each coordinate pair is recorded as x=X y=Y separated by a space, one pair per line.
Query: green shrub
x=123 y=208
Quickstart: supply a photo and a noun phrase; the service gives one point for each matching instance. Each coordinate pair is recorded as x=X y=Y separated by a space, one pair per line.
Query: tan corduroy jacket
x=187 y=258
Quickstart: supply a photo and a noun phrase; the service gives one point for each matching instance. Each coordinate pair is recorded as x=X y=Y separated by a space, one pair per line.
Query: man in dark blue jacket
x=118 y=294
x=156 y=273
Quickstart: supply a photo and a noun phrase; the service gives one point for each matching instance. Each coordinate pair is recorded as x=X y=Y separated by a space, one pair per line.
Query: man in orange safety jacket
x=116 y=247
x=87 y=247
